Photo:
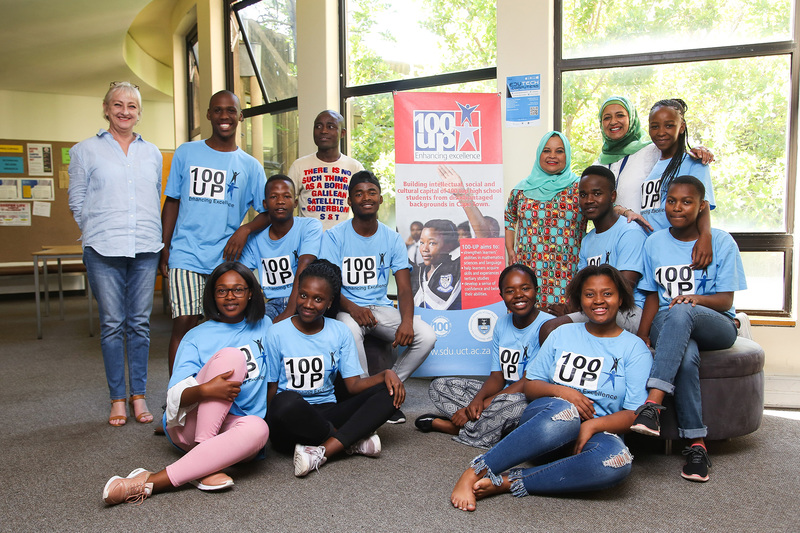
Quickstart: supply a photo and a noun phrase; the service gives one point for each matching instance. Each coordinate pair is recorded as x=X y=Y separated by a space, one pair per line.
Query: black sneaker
x=697 y=464
x=647 y=422
x=397 y=418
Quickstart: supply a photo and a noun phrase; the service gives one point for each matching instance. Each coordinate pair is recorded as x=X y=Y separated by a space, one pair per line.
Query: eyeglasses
x=238 y=292
x=123 y=84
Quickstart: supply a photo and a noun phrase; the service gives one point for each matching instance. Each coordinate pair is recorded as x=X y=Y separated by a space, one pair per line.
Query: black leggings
x=292 y=420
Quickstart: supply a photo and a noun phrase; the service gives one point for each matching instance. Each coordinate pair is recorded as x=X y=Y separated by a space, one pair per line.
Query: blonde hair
x=122 y=86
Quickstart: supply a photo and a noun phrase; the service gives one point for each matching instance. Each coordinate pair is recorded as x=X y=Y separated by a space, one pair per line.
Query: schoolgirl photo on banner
x=449 y=179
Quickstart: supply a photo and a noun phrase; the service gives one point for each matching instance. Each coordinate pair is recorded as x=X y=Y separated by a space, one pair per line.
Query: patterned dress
x=549 y=238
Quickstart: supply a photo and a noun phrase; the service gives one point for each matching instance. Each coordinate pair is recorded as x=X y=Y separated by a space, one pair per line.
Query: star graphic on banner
x=466 y=112
x=466 y=133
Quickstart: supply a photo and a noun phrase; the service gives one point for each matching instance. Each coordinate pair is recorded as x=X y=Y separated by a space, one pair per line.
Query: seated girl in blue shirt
x=685 y=311
x=583 y=387
x=479 y=413
x=306 y=353
x=216 y=400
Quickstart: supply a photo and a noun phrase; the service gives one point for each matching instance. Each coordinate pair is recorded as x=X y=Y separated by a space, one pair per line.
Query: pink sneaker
x=131 y=489
x=211 y=482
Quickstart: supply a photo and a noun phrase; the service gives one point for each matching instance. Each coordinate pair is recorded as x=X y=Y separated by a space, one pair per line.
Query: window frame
x=750 y=241
x=233 y=7
x=350 y=91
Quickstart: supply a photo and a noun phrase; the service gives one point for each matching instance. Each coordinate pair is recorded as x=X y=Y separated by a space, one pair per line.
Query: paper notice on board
x=41 y=209
x=523 y=100
x=40 y=159
x=15 y=214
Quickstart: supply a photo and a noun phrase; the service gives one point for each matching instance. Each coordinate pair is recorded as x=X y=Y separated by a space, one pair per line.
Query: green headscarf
x=541 y=186
x=631 y=142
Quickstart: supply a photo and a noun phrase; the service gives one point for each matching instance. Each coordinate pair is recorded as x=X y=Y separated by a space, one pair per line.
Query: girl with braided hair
x=306 y=353
x=668 y=130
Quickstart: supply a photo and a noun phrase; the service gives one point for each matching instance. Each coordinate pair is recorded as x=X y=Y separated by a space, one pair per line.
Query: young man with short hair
x=212 y=183
x=613 y=240
x=322 y=178
x=367 y=250
x=282 y=251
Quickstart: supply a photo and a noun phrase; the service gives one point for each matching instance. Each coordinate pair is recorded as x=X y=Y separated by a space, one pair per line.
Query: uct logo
x=448 y=135
x=481 y=325
x=441 y=326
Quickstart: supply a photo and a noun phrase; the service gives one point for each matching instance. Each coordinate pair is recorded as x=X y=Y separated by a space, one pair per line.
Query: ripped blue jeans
x=546 y=431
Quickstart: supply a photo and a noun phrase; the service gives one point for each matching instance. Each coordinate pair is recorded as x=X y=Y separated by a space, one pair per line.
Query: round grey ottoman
x=732 y=388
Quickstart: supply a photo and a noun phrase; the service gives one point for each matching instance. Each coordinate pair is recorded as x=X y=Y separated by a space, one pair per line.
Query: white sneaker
x=744 y=326
x=371 y=446
x=308 y=458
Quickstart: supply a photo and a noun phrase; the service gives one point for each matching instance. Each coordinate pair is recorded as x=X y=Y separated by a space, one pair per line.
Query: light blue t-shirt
x=513 y=349
x=621 y=246
x=668 y=271
x=203 y=341
x=215 y=190
x=277 y=260
x=610 y=371
x=654 y=198
x=308 y=364
x=365 y=261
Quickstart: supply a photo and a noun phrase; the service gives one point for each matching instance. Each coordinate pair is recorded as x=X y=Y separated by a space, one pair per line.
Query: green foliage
x=467 y=36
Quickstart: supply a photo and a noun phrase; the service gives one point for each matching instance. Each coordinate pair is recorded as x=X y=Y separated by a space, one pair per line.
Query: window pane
x=764 y=272
x=370 y=126
x=392 y=40
x=738 y=108
x=272 y=139
x=594 y=28
x=270 y=28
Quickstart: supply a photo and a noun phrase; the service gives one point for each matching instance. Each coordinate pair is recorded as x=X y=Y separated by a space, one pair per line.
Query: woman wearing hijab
x=630 y=155
x=544 y=226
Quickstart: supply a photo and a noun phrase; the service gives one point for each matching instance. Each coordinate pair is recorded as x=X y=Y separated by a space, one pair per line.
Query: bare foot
x=484 y=487
x=462 y=496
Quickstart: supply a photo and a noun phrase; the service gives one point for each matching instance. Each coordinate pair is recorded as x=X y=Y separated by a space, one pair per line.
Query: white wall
x=65 y=118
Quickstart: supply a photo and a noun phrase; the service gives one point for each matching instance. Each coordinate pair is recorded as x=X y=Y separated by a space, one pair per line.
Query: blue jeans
x=679 y=334
x=276 y=306
x=551 y=425
x=123 y=287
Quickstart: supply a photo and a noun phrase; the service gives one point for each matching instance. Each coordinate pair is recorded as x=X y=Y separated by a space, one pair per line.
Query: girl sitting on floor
x=306 y=353
x=216 y=400
x=480 y=413
x=685 y=311
x=584 y=384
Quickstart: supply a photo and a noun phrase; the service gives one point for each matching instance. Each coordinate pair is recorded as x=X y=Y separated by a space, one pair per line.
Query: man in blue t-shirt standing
x=367 y=251
x=212 y=183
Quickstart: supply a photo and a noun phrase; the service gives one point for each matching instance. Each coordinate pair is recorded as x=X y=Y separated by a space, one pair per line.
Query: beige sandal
x=143 y=414
x=114 y=418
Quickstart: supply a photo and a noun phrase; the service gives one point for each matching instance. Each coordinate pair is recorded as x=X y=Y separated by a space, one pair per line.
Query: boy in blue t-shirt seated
x=613 y=241
x=367 y=250
x=284 y=250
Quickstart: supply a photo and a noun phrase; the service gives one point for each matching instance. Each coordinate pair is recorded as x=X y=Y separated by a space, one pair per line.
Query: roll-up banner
x=449 y=179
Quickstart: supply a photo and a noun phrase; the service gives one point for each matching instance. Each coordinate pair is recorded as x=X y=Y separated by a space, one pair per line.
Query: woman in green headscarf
x=629 y=153
x=544 y=227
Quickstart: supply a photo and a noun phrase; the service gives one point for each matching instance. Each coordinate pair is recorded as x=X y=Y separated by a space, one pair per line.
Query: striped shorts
x=186 y=292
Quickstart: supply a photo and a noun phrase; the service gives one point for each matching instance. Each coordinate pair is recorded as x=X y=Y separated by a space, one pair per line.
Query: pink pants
x=213 y=438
